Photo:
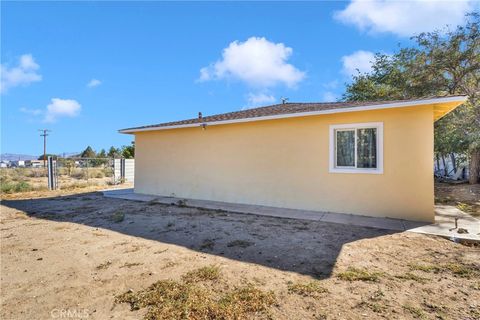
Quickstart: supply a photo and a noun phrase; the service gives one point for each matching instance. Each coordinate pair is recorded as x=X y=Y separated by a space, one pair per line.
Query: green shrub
x=23 y=186
x=15 y=187
x=7 y=187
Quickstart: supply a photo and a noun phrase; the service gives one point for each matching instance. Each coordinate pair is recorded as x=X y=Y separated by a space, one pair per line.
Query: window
x=356 y=148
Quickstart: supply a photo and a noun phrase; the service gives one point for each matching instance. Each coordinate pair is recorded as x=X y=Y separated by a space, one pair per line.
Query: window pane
x=345 y=148
x=367 y=148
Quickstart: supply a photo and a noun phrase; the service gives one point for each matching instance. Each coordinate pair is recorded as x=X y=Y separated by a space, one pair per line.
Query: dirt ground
x=68 y=256
x=466 y=197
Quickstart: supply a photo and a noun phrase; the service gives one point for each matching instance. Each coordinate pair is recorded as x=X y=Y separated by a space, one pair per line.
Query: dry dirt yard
x=465 y=197
x=83 y=256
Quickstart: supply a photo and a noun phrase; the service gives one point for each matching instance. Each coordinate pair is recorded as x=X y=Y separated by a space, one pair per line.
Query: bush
x=97 y=174
x=23 y=187
x=12 y=187
x=7 y=187
x=62 y=171
x=15 y=174
x=4 y=178
x=108 y=172
x=79 y=174
x=75 y=185
x=36 y=173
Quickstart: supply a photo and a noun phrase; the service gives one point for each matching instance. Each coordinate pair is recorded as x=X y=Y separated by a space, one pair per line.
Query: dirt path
x=75 y=253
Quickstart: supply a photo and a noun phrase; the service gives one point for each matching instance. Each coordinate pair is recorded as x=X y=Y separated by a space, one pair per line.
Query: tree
x=114 y=152
x=440 y=64
x=128 y=152
x=68 y=164
x=54 y=156
x=100 y=159
x=102 y=154
x=88 y=153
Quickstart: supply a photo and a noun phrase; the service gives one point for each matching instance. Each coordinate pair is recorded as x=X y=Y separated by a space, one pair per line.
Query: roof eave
x=459 y=99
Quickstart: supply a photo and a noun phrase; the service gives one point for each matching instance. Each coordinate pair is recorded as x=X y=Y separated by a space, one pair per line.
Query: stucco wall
x=285 y=163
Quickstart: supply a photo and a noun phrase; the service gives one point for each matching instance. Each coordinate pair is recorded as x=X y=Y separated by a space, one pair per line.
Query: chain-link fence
x=69 y=173
x=78 y=172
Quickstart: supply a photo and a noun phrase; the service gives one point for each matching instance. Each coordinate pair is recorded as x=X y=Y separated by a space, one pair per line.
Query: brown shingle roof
x=275 y=110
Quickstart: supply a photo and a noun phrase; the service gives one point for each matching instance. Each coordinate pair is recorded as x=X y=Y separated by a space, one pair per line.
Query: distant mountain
x=14 y=157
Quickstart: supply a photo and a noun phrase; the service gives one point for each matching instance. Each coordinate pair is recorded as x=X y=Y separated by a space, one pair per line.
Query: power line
x=44 y=135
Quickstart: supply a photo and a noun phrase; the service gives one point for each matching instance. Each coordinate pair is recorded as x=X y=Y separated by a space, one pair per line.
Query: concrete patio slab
x=444 y=225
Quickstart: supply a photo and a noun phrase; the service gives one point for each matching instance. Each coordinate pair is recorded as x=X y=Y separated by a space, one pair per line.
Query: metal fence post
x=87 y=168
x=122 y=170
x=52 y=174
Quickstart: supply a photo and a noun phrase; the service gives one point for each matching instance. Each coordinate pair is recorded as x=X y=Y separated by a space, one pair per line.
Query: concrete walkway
x=443 y=226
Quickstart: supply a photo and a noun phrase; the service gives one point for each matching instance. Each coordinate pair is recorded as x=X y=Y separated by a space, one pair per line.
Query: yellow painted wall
x=285 y=163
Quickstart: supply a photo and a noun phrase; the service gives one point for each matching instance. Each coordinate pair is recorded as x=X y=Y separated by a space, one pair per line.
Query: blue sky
x=85 y=70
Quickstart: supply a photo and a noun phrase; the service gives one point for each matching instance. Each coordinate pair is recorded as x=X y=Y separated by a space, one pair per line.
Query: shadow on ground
x=306 y=247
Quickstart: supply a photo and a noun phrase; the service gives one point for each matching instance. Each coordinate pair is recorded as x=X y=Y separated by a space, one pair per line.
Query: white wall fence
x=124 y=170
x=68 y=172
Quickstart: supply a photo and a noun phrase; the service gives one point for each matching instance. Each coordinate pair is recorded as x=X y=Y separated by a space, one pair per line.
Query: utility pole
x=44 y=135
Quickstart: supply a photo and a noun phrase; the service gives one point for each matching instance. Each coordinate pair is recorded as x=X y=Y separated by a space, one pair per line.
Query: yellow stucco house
x=364 y=158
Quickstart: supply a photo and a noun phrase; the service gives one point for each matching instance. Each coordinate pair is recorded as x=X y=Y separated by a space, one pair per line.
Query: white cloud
x=329 y=96
x=205 y=74
x=94 y=83
x=259 y=99
x=62 y=108
x=405 y=17
x=257 y=62
x=27 y=62
x=33 y=112
x=56 y=109
x=358 y=61
x=22 y=74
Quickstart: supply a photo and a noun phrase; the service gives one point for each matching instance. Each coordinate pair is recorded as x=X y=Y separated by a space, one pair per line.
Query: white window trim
x=354 y=126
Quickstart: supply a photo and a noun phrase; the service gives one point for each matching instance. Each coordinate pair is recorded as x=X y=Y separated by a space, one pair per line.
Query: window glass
x=345 y=148
x=367 y=148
